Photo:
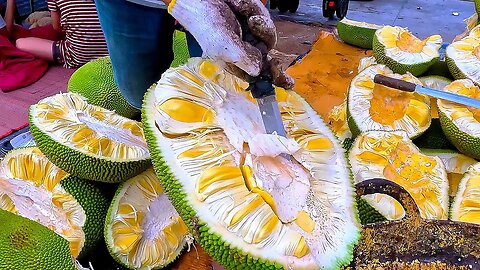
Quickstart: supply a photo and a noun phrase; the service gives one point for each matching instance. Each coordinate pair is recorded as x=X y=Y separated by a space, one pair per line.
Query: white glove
x=215 y=26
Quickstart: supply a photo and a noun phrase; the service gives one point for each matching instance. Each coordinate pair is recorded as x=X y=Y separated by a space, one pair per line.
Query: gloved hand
x=215 y=26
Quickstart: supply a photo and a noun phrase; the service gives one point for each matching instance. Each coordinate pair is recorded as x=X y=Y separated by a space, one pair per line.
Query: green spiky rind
x=180 y=49
x=96 y=83
x=415 y=69
x=434 y=138
x=107 y=233
x=454 y=70
x=27 y=245
x=367 y=213
x=477 y=6
x=230 y=257
x=439 y=68
x=347 y=144
x=95 y=206
x=354 y=129
x=465 y=143
x=356 y=35
x=82 y=165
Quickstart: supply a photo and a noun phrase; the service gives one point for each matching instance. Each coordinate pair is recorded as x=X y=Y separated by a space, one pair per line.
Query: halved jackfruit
x=33 y=187
x=142 y=229
x=357 y=33
x=88 y=141
x=393 y=156
x=466 y=205
x=403 y=52
x=463 y=57
x=247 y=206
x=373 y=106
x=455 y=163
x=461 y=124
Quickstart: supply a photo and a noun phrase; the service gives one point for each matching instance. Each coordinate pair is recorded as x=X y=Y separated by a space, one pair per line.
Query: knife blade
x=412 y=87
x=261 y=88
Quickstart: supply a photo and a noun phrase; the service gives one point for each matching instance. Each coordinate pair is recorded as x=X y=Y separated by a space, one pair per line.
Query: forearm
x=10 y=15
x=56 y=20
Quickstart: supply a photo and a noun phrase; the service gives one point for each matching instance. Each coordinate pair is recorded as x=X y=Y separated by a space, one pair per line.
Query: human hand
x=215 y=25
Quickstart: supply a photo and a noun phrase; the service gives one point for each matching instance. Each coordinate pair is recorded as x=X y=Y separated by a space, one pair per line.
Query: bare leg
x=41 y=48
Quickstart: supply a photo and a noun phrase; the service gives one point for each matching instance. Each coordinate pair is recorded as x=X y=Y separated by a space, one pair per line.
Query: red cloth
x=45 y=32
x=18 y=68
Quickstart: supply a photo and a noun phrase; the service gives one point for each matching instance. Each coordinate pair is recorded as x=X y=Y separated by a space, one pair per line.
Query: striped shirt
x=84 y=39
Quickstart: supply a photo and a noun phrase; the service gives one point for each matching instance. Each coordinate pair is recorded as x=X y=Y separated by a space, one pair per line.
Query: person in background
x=139 y=35
x=6 y=25
x=83 y=37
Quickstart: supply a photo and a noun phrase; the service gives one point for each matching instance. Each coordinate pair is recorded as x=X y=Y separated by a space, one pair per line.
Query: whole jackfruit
x=246 y=205
x=95 y=82
x=27 y=245
x=88 y=141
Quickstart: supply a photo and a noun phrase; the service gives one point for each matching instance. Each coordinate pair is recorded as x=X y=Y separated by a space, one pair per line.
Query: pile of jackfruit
x=199 y=167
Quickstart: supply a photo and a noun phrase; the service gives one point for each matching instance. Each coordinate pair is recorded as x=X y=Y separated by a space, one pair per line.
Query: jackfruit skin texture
x=347 y=144
x=439 y=68
x=454 y=70
x=416 y=69
x=465 y=143
x=367 y=213
x=82 y=165
x=117 y=262
x=95 y=205
x=27 y=245
x=180 y=49
x=354 y=35
x=434 y=138
x=96 y=83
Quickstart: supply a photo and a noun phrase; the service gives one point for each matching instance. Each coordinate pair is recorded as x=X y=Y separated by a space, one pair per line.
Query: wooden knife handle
x=394 y=83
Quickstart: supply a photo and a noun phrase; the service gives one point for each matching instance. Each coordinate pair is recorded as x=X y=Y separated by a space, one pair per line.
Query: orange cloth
x=323 y=76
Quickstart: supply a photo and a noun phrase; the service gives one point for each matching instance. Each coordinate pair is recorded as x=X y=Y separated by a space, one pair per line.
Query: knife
x=261 y=88
x=412 y=87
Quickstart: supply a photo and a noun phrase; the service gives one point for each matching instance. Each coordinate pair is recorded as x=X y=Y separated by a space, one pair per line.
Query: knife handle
x=394 y=83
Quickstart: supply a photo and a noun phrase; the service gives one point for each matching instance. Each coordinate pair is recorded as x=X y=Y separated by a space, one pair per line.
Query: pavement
x=423 y=18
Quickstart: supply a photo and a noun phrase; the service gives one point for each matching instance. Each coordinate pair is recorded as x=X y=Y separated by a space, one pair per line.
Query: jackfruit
x=88 y=141
x=247 y=205
x=455 y=163
x=461 y=124
x=27 y=245
x=356 y=33
x=402 y=52
x=180 y=49
x=463 y=56
x=33 y=187
x=466 y=204
x=142 y=229
x=95 y=82
x=392 y=155
x=373 y=106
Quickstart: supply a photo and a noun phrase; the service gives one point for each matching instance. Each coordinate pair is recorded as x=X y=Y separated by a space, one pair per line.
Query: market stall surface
x=14 y=108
